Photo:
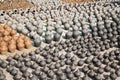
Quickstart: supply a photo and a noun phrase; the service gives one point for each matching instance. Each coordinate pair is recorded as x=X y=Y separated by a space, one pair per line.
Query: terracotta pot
x=12 y=47
x=20 y=40
x=3 y=49
x=26 y=38
x=21 y=36
x=1 y=39
x=8 y=29
x=6 y=38
x=28 y=44
x=6 y=26
x=15 y=37
x=1 y=34
x=12 y=41
x=3 y=43
x=20 y=45
x=1 y=29
x=6 y=33
x=13 y=32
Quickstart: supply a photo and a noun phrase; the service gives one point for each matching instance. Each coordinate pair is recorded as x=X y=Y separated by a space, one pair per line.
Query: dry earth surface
x=74 y=1
x=15 y=4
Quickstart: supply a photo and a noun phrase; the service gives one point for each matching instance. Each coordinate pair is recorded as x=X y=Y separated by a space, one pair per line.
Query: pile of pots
x=10 y=40
x=72 y=59
x=50 y=22
x=76 y=34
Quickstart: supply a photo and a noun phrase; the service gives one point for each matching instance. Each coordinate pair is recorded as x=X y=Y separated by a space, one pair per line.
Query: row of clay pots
x=79 y=63
x=38 y=21
x=10 y=41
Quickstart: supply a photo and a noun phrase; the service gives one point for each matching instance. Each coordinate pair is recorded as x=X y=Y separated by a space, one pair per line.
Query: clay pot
x=9 y=69
x=25 y=31
x=26 y=38
x=9 y=58
x=43 y=76
x=3 y=43
x=6 y=38
x=14 y=72
x=34 y=66
x=21 y=36
x=23 y=69
x=67 y=26
x=37 y=42
x=1 y=29
x=48 y=39
x=12 y=41
x=75 y=34
x=20 y=45
x=57 y=37
x=28 y=44
x=6 y=33
x=67 y=70
x=113 y=76
x=13 y=32
x=85 y=69
x=20 y=40
x=12 y=47
x=3 y=77
x=26 y=74
x=3 y=49
x=15 y=37
x=80 y=63
x=63 y=77
x=1 y=35
x=6 y=26
x=18 y=77
x=4 y=65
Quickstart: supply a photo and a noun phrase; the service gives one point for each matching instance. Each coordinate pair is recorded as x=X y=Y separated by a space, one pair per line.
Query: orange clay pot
x=26 y=38
x=28 y=44
x=20 y=46
x=6 y=33
x=21 y=36
x=12 y=47
x=1 y=34
x=3 y=49
x=20 y=40
x=6 y=38
x=6 y=26
x=13 y=32
x=3 y=43
x=14 y=37
x=10 y=37
x=1 y=39
x=1 y=29
x=8 y=29
x=12 y=42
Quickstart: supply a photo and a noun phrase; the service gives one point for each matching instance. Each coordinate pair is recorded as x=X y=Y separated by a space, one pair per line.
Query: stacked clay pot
x=10 y=40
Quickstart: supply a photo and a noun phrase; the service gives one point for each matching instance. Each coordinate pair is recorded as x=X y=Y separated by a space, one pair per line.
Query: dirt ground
x=74 y=1
x=15 y=4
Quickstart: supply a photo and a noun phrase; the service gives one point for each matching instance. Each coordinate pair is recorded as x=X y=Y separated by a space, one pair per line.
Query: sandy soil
x=73 y=1
x=15 y=4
